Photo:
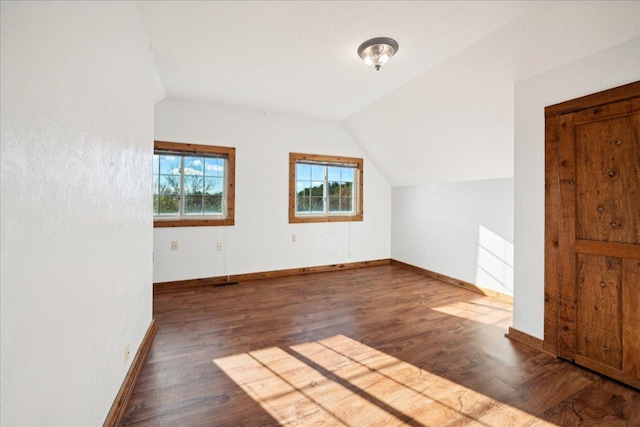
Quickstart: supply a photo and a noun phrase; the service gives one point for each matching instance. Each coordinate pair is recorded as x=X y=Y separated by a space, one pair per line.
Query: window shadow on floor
x=381 y=344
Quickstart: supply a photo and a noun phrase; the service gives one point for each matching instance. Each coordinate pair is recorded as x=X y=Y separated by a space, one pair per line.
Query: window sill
x=187 y=222
x=330 y=218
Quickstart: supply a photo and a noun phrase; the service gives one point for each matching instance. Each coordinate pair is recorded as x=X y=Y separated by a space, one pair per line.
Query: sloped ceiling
x=300 y=57
x=440 y=111
x=455 y=122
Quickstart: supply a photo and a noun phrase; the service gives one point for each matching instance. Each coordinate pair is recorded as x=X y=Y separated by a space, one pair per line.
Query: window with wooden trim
x=193 y=185
x=325 y=188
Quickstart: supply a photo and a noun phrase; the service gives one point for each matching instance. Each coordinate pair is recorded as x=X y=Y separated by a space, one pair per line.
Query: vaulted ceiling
x=300 y=57
x=441 y=110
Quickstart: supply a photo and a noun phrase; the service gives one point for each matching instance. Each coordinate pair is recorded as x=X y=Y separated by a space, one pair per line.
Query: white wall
x=463 y=230
x=261 y=238
x=609 y=68
x=450 y=124
x=77 y=132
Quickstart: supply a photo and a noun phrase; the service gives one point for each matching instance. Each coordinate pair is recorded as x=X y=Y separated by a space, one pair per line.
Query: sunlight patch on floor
x=477 y=312
x=339 y=381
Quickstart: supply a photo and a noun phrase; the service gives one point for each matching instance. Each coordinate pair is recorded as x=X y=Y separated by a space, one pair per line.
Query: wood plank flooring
x=377 y=346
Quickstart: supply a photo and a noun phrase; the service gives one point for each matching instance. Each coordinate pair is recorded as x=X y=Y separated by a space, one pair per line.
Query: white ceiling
x=300 y=57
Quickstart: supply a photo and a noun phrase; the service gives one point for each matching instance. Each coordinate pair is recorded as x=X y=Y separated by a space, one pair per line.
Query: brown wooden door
x=599 y=238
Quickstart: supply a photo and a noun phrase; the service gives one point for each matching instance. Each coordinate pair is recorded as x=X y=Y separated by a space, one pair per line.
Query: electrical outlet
x=220 y=246
x=174 y=246
x=293 y=238
x=127 y=354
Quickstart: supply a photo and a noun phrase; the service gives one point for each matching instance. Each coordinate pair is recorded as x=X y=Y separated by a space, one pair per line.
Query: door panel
x=599 y=322
x=608 y=195
x=599 y=238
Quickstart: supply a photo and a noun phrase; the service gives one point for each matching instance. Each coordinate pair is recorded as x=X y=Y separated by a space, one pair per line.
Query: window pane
x=169 y=164
x=334 y=189
x=340 y=204
x=193 y=184
x=303 y=172
x=193 y=205
x=168 y=205
x=156 y=164
x=303 y=188
x=334 y=204
x=317 y=173
x=169 y=184
x=346 y=189
x=333 y=173
x=213 y=186
x=317 y=188
x=347 y=174
x=346 y=204
x=213 y=204
x=156 y=181
x=316 y=204
x=193 y=166
x=303 y=204
x=214 y=167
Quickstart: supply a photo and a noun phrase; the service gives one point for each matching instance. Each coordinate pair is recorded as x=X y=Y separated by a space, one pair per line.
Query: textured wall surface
x=77 y=132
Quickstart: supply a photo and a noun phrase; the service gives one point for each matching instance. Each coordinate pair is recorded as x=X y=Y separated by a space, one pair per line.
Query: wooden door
x=598 y=237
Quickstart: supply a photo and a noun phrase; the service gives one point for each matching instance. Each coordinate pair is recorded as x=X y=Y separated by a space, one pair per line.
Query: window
x=193 y=185
x=324 y=188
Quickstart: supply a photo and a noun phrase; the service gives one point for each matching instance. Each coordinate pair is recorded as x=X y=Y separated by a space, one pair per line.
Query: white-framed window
x=325 y=188
x=193 y=185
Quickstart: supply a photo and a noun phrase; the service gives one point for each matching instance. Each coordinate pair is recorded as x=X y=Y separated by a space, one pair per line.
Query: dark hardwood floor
x=373 y=346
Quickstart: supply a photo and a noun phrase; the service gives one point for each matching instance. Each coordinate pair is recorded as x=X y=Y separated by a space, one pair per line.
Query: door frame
x=552 y=238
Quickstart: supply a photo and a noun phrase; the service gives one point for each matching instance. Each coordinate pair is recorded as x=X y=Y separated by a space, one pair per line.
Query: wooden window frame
x=359 y=187
x=230 y=154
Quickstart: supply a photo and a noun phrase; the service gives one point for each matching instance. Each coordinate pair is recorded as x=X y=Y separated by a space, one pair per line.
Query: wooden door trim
x=553 y=237
x=566 y=236
x=616 y=94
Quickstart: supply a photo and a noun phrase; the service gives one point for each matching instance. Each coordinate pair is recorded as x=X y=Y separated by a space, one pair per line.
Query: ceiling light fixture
x=376 y=52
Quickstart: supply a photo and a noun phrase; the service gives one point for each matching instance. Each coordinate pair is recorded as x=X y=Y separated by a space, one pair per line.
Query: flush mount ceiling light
x=376 y=52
